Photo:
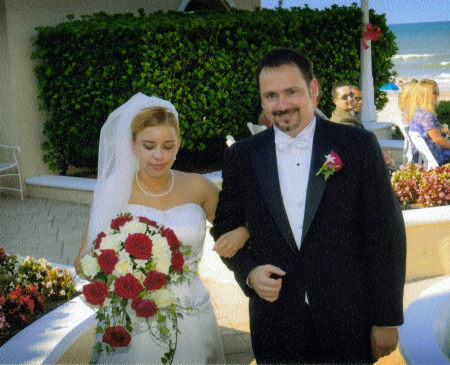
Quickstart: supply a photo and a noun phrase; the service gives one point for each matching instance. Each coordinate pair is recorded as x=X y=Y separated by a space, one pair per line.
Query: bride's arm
x=231 y=242
x=82 y=248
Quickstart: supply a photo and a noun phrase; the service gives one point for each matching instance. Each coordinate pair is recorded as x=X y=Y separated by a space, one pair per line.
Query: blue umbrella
x=389 y=86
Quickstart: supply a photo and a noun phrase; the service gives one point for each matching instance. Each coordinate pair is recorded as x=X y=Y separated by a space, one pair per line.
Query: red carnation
x=117 y=336
x=171 y=238
x=127 y=286
x=148 y=221
x=177 y=261
x=139 y=246
x=98 y=240
x=118 y=222
x=107 y=261
x=144 y=307
x=155 y=280
x=95 y=292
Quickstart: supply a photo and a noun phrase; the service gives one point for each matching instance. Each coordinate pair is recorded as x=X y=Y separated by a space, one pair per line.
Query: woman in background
x=425 y=122
x=407 y=94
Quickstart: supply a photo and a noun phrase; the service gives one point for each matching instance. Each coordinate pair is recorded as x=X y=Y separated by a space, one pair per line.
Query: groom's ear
x=314 y=89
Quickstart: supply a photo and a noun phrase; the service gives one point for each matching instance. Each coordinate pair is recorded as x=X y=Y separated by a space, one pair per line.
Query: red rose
x=107 y=261
x=127 y=286
x=120 y=221
x=337 y=163
x=98 y=240
x=155 y=280
x=171 y=238
x=148 y=221
x=3 y=254
x=95 y=292
x=139 y=246
x=177 y=261
x=117 y=336
x=144 y=307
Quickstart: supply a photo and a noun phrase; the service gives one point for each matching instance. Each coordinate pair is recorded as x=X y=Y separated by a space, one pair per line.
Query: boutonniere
x=332 y=164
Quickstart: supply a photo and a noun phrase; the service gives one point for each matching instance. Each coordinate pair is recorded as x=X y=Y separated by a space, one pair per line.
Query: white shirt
x=293 y=171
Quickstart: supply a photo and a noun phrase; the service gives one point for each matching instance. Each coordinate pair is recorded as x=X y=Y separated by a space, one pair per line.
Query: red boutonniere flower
x=332 y=164
x=372 y=33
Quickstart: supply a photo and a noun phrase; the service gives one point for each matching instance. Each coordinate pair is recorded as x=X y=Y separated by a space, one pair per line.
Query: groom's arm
x=230 y=214
x=384 y=236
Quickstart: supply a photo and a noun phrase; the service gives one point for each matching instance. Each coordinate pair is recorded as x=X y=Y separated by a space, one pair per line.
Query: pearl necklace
x=155 y=195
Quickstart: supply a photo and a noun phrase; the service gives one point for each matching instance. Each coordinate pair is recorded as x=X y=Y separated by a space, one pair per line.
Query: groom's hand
x=266 y=287
x=383 y=341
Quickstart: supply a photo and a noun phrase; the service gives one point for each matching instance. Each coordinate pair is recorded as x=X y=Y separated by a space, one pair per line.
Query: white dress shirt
x=293 y=162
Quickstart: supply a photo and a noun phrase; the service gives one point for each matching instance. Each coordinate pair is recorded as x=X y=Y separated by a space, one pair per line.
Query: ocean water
x=424 y=51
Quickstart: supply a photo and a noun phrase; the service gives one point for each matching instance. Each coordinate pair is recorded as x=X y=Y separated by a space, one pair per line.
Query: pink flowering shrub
x=415 y=185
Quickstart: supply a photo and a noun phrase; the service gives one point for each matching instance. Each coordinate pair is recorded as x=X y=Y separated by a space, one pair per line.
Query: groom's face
x=286 y=98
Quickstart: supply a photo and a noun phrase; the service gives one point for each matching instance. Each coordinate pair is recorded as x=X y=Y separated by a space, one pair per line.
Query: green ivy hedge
x=443 y=112
x=202 y=62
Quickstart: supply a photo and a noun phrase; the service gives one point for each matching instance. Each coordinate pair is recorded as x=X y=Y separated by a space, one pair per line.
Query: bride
x=138 y=145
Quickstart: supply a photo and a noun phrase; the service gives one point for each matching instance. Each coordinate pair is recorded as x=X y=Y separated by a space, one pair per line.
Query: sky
x=397 y=11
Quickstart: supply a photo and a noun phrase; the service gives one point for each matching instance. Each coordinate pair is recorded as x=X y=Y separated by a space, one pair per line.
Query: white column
x=368 y=109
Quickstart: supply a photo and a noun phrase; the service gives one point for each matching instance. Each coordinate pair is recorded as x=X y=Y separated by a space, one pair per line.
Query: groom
x=325 y=264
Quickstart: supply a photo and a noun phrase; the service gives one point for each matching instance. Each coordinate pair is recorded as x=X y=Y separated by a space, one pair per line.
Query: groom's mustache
x=279 y=113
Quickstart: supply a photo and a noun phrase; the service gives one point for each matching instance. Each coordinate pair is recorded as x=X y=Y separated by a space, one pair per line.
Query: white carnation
x=90 y=266
x=111 y=242
x=163 y=298
x=123 y=266
x=133 y=227
x=160 y=246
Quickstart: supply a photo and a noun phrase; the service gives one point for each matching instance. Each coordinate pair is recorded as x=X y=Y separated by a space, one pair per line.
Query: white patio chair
x=407 y=144
x=255 y=128
x=426 y=158
x=9 y=166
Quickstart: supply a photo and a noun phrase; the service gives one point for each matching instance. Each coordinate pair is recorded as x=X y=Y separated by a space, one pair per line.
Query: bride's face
x=156 y=148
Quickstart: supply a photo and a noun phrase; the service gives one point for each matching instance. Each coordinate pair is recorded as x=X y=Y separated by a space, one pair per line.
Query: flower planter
x=64 y=335
x=428 y=242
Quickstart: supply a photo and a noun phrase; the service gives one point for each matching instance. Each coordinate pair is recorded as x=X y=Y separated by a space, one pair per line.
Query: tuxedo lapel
x=316 y=184
x=264 y=162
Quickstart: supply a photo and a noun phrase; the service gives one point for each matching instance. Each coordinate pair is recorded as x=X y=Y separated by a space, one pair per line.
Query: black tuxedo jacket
x=351 y=262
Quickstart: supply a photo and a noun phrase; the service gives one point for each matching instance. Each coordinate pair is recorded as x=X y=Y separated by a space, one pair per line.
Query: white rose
x=163 y=298
x=123 y=266
x=90 y=266
x=133 y=227
x=160 y=246
x=111 y=242
x=162 y=263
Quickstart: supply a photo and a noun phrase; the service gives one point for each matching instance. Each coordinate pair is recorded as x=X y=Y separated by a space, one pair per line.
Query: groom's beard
x=286 y=125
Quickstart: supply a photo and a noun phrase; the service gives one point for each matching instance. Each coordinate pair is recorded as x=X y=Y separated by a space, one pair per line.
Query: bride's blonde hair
x=154 y=116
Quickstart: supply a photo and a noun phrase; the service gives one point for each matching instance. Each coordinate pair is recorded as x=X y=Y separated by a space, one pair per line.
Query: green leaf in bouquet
x=99 y=329
x=164 y=330
x=161 y=318
x=101 y=276
x=129 y=327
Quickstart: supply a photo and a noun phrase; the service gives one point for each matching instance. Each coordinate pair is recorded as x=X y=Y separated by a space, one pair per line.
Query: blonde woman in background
x=408 y=93
x=421 y=111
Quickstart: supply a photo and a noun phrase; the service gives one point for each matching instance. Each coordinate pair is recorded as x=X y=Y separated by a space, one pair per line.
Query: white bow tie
x=300 y=143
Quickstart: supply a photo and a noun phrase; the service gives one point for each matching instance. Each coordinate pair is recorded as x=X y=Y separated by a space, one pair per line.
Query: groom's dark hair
x=286 y=56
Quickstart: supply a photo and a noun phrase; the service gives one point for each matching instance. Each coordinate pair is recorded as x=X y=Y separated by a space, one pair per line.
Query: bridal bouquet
x=132 y=266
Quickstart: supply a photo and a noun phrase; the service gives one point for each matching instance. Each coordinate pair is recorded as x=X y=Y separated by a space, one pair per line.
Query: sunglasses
x=358 y=98
x=346 y=96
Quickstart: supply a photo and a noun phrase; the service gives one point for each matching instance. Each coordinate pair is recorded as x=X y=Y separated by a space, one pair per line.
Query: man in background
x=344 y=99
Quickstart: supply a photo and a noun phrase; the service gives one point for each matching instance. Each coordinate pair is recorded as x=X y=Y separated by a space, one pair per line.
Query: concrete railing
x=425 y=336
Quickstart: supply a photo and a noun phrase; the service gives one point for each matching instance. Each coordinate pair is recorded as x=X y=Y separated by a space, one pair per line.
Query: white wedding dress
x=199 y=341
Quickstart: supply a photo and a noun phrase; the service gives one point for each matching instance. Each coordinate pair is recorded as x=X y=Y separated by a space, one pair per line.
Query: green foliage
x=204 y=63
x=443 y=112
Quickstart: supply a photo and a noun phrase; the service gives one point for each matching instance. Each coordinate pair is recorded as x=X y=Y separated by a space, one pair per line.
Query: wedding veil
x=116 y=163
